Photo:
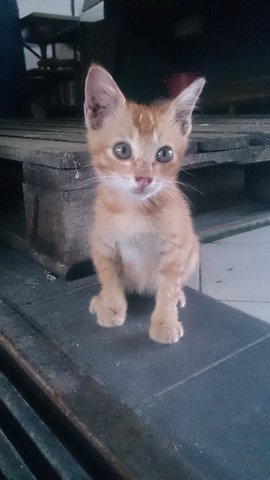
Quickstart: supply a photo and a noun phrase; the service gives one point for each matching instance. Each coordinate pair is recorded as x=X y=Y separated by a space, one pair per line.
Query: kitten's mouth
x=140 y=190
x=145 y=192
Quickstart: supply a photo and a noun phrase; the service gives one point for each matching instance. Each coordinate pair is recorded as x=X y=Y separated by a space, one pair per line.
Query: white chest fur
x=141 y=250
x=140 y=261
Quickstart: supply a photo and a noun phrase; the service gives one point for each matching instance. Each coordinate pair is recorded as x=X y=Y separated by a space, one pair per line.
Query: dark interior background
x=142 y=41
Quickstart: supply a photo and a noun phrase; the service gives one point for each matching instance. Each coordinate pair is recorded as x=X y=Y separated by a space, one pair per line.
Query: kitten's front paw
x=108 y=315
x=166 y=332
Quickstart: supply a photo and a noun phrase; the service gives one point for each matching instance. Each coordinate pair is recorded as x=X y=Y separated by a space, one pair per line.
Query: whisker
x=94 y=180
x=187 y=172
x=190 y=187
x=169 y=192
x=184 y=184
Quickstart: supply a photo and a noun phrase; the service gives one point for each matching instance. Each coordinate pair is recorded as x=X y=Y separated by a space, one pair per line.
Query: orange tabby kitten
x=142 y=238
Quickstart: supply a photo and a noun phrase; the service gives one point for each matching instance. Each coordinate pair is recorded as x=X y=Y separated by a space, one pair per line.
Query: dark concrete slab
x=107 y=432
x=228 y=221
x=212 y=332
x=219 y=420
x=23 y=281
x=197 y=409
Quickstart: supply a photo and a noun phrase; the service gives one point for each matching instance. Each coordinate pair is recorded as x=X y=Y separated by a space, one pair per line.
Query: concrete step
x=124 y=406
x=223 y=222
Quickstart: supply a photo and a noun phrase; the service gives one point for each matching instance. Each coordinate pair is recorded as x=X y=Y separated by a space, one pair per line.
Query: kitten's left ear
x=182 y=106
x=102 y=96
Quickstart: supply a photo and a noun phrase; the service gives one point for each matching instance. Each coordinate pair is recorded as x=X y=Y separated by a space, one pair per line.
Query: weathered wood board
x=59 y=183
x=67 y=136
x=58 y=223
x=62 y=155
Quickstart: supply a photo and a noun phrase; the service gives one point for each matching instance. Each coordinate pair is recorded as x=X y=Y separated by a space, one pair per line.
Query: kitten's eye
x=122 y=150
x=164 y=154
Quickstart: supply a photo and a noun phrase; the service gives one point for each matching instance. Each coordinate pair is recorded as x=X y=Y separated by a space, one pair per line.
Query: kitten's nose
x=143 y=181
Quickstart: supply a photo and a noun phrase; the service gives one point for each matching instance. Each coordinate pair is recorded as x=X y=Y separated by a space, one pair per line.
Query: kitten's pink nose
x=143 y=181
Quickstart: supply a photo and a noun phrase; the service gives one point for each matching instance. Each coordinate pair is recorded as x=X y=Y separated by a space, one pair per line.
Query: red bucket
x=176 y=83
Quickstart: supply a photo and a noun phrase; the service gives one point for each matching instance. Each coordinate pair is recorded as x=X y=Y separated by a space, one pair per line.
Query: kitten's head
x=136 y=149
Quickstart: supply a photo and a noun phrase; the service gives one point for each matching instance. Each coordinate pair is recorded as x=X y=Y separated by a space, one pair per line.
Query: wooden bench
x=58 y=187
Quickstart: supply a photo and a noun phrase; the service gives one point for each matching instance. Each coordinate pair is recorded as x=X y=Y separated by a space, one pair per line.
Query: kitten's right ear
x=102 y=96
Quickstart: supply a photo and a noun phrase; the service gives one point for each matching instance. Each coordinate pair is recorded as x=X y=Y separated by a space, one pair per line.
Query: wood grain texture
x=59 y=183
x=59 y=179
x=214 y=142
x=58 y=223
x=61 y=144
x=54 y=135
x=63 y=155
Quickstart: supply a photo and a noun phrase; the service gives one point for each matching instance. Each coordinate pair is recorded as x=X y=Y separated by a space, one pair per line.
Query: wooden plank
x=258 y=135
x=61 y=180
x=260 y=154
x=226 y=137
x=251 y=119
x=217 y=142
x=192 y=146
x=63 y=155
x=64 y=134
x=48 y=122
x=205 y=148
x=230 y=128
x=206 y=159
x=243 y=156
x=55 y=136
x=231 y=124
x=58 y=223
x=42 y=128
x=255 y=138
